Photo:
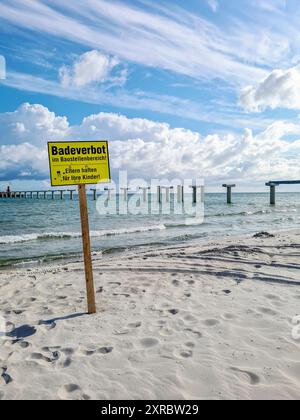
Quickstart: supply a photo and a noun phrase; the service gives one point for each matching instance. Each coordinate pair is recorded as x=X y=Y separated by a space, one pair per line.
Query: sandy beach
x=211 y=321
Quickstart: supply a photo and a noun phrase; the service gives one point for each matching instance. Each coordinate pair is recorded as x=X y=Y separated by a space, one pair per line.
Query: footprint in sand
x=190 y=345
x=229 y=317
x=68 y=351
x=126 y=295
x=191 y=282
x=211 y=322
x=18 y=312
x=184 y=354
x=166 y=332
x=105 y=350
x=72 y=392
x=135 y=325
x=6 y=378
x=190 y=318
x=115 y=284
x=48 y=326
x=252 y=377
x=267 y=311
x=66 y=363
x=196 y=333
x=48 y=359
x=272 y=297
x=176 y=283
x=149 y=342
x=23 y=344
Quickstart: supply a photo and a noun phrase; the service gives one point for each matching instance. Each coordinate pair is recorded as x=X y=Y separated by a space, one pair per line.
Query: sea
x=34 y=232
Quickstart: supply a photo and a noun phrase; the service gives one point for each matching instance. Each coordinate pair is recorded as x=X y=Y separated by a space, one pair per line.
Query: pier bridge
x=274 y=184
x=37 y=194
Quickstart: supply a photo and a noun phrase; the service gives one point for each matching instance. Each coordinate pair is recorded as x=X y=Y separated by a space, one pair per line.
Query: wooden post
x=87 y=250
x=61 y=194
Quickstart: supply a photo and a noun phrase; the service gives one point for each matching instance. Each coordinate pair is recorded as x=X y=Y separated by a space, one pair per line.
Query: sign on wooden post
x=81 y=163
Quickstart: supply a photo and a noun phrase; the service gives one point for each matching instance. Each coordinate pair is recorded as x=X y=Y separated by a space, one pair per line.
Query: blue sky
x=223 y=74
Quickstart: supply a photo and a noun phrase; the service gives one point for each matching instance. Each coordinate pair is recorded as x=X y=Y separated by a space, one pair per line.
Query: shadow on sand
x=26 y=331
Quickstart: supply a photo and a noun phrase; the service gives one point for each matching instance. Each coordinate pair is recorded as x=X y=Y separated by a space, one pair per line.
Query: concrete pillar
x=94 y=194
x=145 y=193
x=160 y=191
x=195 y=190
x=202 y=194
x=272 y=186
x=159 y=198
x=194 y=195
x=109 y=190
x=272 y=195
x=229 y=192
x=167 y=194
x=229 y=195
x=180 y=194
x=125 y=192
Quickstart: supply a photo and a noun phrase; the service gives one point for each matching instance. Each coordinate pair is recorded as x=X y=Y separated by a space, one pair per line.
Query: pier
x=229 y=192
x=161 y=192
x=44 y=194
x=274 y=184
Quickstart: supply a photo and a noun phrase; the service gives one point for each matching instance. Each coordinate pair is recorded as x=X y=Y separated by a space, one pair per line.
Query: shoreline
x=189 y=321
x=58 y=260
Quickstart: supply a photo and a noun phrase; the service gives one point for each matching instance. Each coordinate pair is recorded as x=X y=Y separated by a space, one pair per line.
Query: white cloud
x=224 y=115
x=276 y=6
x=279 y=90
x=214 y=5
x=173 y=39
x=32 y=124
x=90 y=67
x=149 y=149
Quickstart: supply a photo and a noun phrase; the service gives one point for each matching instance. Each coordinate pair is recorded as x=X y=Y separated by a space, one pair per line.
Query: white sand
x=187 y=322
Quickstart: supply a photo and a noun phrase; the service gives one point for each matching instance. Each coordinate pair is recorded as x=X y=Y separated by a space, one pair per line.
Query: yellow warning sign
x=78 y=163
